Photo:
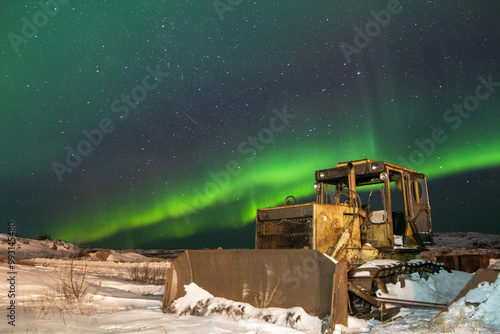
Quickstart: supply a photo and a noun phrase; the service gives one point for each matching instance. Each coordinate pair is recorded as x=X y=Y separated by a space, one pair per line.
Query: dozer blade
x=262 y=278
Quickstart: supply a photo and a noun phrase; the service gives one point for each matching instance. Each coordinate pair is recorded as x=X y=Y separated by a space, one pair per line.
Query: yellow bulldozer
x=370 y=218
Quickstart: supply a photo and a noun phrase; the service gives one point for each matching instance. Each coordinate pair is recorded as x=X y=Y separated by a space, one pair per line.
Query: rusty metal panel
x=451 y=261
x=284 y=234
x=329 y=224
x=378 y=235
x=358 y=256
x=340 y=295
x=284 y=227
x=262 y=278
x=422 y=214
x=178 y=273
x=285 y=212
x=469 y=263
x=363 y=168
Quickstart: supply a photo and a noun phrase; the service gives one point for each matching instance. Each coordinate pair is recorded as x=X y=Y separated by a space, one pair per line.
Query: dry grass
x=441 y=324
x=147 y=274
x=26 y=262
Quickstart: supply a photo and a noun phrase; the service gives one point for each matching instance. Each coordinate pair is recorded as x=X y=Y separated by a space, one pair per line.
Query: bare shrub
x=77 y=252
x=72 y=294
x=73 y=287
x=146 y=274
x=72 y=283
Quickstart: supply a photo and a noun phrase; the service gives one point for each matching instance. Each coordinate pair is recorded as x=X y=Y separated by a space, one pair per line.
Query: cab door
x=419 y=207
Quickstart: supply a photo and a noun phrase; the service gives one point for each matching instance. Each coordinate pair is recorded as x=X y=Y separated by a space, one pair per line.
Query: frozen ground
x=111 y=302
x=465 y=243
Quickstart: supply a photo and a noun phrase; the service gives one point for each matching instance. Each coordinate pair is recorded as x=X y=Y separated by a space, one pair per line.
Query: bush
x=72 y=282
x=73 y=287
x=146 y=274
x=44 y=236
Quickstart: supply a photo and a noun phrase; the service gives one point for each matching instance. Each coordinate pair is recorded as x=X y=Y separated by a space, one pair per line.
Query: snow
x=115 y=303
x=464 y=243
x=200 y=302
x=375 y=263
x=28 y=248
x=194 y=294
x=442 y=287
x=480 y=304
x=468 y=240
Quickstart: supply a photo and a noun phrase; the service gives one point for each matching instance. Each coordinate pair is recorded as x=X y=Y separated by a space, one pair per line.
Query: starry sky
x=166 y=124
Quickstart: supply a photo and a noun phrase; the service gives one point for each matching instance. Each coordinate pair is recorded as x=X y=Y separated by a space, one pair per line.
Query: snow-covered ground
x=111 y=302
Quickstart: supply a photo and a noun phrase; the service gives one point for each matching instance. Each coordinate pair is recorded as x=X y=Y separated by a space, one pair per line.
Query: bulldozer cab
x=388 y=194
x=364 y=210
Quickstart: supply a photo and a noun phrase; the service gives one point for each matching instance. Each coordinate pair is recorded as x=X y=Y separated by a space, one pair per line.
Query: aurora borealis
x=168 y=123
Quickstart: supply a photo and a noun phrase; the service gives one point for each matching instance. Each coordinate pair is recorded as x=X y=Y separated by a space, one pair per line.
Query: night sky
x=166 y=124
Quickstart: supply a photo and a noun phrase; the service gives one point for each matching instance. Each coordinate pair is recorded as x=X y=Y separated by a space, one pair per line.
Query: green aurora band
x=257 y=185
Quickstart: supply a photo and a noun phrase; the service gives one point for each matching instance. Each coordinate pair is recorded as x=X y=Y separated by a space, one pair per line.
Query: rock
x=103 y=254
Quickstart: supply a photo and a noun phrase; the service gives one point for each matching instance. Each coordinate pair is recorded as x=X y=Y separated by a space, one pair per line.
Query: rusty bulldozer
x=326 y=256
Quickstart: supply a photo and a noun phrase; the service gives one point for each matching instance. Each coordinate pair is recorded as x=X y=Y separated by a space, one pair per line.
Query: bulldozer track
x=364 y=279
x=390 y=273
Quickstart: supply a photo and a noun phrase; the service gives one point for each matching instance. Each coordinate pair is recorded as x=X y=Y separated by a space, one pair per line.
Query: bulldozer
x=369 y=219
